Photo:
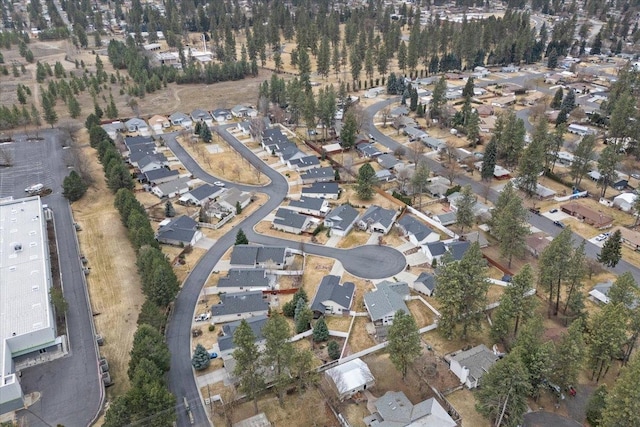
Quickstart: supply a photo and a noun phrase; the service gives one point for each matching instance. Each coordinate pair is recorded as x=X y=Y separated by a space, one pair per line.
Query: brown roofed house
x=536 y=243
x=590 y=216
x=630 y=238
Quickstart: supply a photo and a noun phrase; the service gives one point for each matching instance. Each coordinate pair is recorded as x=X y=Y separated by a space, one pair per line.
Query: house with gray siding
x=341 y=219
x=333 y=298
x=238 y=306
x=377 y=219
x=383 y=303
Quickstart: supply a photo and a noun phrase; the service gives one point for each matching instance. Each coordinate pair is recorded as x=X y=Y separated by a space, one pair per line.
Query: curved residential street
x=371 y=262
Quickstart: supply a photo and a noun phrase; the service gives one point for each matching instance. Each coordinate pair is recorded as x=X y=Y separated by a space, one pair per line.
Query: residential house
x=202 y=116
x=417 y=232
x=137 y=125
x=476 y=237
x=394 y=409
x=564 y=158
x=244 y=280
x=114 y=128
x=152 y=162
x=584 y=213
x=536 y=243
x=350 y=378
x=221 y=115
x=139 y=152
x=504 y=101
x=388 y=161
x=447 y=218
x=470 y=365
x=485 y=110
x=324 y=174
x=600 y=292
x=580 y=130
x=436 y=250
x=383 y=303
x=310 y=206
x=201 y=195
x=368 y=150
x=341 y=219
x=244 y=128
x=438 y=187
x=179 y=231
x=172 y=188
x=401 y=110
x=479 y=208
x=322 y=190
x=230 y=199
x=631 y=238
x=385 y=175
x=425 y=284
x=291 y=221
x=332 y=297
x=159 y=176
x=132 y=142
x=181 y=119
x=249 y=256
x=273 y=136
x=304 y=163
x=377 y=219
x=159 y=123
x=239 y=306
x=225 y=342
x=413 y=133
x=243 y=111
x=620 y=184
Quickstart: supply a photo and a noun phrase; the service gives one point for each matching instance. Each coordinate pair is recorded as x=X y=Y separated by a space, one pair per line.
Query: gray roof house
x=324 y=174
x=472 y=364
x=322 y=190
x=180 y=119
x=113 y=128
x=434 y=251
x=368 y=150
x=425 y=283
x=201 y=195
x=136 y=125
x=232 y=196
x=221 y=115
x=310 y=206
x=152 y=161
x=383 y=303
x=341 y=219
x=377 y=219
x=600 y=292
x=385 y=175
x=199 y=115
x=244 y=280
x=239 y=306
x=243 y=111
x=159 y=176
x=225 y=342
x=394 y=409
x=181 y=230
x=417 y=232
x=332 y=297
x=304 y=163
x=291 y=221
x=388 y=161
x=259 y=256
x=479 y=208
x=131 y=141
x=172 y=188
x=447 y=218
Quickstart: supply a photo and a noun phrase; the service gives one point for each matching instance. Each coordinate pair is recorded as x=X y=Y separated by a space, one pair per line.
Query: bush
x=200 y=359
x=212 y=328
x=73 y=187
x=452 y=190
x=404 y=199
x=334 y=350
x=318 y=229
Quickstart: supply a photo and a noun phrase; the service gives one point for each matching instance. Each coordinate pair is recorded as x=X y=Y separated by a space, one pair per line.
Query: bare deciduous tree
x=399 y=152
x=384 y=114
x=360 y=115
x=237 y=171
x=403 y=176
x=6 y=157
x=222 y=166
x=256 y=128
x=416 y=150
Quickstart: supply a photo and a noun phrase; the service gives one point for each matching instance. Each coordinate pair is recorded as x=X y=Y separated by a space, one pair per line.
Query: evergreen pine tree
x=612 y=250
x=200 y=359
x=241 y=238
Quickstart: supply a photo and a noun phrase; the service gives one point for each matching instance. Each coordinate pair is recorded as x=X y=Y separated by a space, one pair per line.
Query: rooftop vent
x=17 y=247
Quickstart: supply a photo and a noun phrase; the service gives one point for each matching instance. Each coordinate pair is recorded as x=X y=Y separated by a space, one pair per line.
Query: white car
x=602 y=237
x=219 y=183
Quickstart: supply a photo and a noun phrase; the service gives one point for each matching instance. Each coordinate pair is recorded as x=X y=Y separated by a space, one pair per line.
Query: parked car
x=601 y=237
x=219 y=183
x=213 y=355
x=553 y=211
x=559 y=224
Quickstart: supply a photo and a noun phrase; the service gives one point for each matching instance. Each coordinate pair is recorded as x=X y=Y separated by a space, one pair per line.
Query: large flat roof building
x=27 y=321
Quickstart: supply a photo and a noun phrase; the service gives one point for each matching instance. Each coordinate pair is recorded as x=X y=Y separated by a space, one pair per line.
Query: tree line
x=148 y=400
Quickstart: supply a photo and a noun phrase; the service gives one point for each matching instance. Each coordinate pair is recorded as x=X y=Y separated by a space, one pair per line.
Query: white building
x=27 y=322
x=350 y=378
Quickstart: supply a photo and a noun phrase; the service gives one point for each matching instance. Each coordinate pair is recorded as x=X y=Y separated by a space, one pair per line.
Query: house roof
x=457 y=249
x=387 y=161
x=221 y=112
x=259 y=420
x=629 y=198
x=174 y=185
x=290 y=218
x=476 y=237
x=350 y=375
x=331 y=290
x=241 y=277
x=436 y=248
x=322 y=188
x=537 y=242
x=396 y=410
x=477 y=360
x=135 y=122
x=199 y=114
x=233 y=196
x=414 y=227
x=238 y=303
x=152 y=158
x=252 y=255
x=376 y=214
x=368 y=149
x=204 y=191
x=139 y=152
x=158 y=119
x=386 y=299
x=478 y=207
x=179 y=116
x=598 y=219
x=326 y=172
x=130 y=141
x=306 y=161
x=447 y=218
x=310 y=203
x=383 y=174
x=274 y=135
x=428 y=280
x=342 y=216
x=179 y=229
x=155 y=174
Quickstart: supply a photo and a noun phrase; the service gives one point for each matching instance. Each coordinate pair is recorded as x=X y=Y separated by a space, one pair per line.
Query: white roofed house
x=388 y=298
x=377 y=219
x=341 y=220
x=625 y=201
x=350 y=378
x=332 y=298
x=244 y=111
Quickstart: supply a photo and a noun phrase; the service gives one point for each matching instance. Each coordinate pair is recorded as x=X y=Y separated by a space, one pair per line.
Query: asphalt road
x=546 y=419
x=539 y=222
x=372 y=262
x=71 y=388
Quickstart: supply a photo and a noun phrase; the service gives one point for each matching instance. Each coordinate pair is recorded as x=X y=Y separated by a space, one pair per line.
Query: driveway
x=365 y=261
x=71 y=388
